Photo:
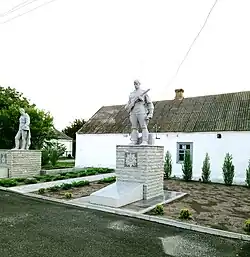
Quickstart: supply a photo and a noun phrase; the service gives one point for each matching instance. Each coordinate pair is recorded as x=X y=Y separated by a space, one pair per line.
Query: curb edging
x=131 y=214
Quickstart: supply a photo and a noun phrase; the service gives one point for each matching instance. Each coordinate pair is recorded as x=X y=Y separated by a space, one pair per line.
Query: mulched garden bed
x=76 y=192
x=213 y=205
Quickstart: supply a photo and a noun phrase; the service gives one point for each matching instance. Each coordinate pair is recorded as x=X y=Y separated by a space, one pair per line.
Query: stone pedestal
x=139 y=175
x=23 y=163
x=141 y=164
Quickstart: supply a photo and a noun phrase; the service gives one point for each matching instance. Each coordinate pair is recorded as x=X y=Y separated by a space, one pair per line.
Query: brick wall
x=146 y=166
x=23 y=163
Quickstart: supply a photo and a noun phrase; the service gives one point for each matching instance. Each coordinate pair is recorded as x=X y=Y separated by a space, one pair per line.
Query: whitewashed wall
x=100 y=151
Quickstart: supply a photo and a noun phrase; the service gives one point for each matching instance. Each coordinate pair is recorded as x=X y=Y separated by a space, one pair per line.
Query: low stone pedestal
x=23 y=163
x=140 y=174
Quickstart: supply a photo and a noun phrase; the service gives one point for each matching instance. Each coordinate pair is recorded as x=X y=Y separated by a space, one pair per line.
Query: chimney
x=179 y=94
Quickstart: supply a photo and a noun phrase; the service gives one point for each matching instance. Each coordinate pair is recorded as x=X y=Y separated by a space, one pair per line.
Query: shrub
x=80 y=183
x=20 y=180
x=45 y=157
x=187 y=168
x=30 y=181
x=41 y=191
x=247 y=226
x=66 y=186
x=159 y=209
x=8 y=182
x=168 y=165
x=228 y=170
x=185 y=214
x=54 y=188
x=68 y=195
x=107 y=180
x=248 y=174
x=206 y=169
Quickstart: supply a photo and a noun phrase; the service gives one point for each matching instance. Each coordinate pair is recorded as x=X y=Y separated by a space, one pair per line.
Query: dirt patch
x=77 y=192
x=212 y=205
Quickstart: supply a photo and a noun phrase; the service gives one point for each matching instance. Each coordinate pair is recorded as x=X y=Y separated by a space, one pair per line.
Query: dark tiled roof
x=61 y=135
x=223 y=112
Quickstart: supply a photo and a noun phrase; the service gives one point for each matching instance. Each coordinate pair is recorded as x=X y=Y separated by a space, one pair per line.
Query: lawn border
x=155 y=219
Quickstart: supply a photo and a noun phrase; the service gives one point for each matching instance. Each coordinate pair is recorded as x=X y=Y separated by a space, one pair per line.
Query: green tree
x=168 y=165
x=228 y=170
x=187 y=167
x=71 y=131
x=206 y=169
x=41 y=122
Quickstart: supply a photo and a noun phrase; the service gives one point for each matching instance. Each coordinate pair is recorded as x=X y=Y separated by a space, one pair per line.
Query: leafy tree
x=72 y=130
x=206 y=169
x=41 y=122
x=51 y=152
x=187 y=167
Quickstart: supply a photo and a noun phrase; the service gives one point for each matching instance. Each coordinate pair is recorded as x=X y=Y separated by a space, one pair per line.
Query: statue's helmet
x=137 y=82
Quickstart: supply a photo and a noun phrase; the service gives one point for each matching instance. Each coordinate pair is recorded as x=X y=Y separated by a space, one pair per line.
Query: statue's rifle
x=129 y=107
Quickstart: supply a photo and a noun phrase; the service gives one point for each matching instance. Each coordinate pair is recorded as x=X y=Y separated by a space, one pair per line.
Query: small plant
x=159 y=209
x=206 y=169
x=247 y=226
x=30 y=181
x=228 y=170
x=20 y=180
x=185 y=214
x=80 y=183
x=41 y=191
x=8 y=182
x=107 y=180
x=248 y=174
x=54 y=188
x=168 y=165
x=66 y=186
x=68 y=195
x=45 y=157
x=187 y=168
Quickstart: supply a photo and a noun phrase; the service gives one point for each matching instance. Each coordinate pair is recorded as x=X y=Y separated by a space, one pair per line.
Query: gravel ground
x=212 y=205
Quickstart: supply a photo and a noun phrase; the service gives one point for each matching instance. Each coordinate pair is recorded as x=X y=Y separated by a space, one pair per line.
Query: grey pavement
x=33 y=227
x=35 y=187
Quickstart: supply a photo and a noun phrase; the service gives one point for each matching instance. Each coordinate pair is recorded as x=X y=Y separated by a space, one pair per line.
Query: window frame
x=178 y=144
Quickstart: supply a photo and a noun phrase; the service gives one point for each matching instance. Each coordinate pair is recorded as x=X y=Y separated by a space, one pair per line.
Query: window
x=181 y=148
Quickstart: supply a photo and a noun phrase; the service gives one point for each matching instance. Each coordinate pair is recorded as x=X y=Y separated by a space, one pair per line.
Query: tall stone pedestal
x=140 y=174
x=23 y=163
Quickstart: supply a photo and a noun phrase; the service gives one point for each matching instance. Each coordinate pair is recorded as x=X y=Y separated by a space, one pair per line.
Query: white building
x=66 y=141
x=213 y=124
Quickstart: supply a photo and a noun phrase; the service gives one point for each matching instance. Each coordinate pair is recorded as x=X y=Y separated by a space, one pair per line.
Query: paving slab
x=35 y=187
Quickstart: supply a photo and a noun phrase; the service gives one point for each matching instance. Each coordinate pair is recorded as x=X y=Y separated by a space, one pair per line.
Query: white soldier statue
x=23 y=135
x=140 y=109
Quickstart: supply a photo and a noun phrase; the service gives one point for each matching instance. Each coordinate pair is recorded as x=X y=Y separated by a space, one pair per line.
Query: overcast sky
x=71 y=57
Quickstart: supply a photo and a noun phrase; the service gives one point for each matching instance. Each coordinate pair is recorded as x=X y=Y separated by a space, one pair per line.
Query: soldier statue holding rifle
x=140 y=109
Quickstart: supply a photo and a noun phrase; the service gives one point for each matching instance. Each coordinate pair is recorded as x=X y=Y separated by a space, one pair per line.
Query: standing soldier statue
x=140 y=109
x=23 y=135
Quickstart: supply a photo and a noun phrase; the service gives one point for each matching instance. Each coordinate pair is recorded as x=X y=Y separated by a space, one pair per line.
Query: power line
x=27 y=12
x=192 y=44
x=21 y=5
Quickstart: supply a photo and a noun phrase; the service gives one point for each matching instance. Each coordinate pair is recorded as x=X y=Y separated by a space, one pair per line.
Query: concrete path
x=31 y=227
x=35 y=187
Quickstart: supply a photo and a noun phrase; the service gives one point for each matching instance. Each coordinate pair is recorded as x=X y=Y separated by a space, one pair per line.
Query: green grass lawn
x=59 y=165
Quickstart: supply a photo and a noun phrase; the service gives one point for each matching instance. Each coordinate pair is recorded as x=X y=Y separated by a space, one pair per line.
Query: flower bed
x=75 y=189
x=46 y=178
x=213 y=205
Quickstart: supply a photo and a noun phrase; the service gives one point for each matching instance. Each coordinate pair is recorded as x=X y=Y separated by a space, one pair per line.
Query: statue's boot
x=134 y=137
x=144 y=136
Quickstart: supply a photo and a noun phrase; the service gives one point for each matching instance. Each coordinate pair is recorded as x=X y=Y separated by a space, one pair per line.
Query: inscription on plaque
x=130 y=159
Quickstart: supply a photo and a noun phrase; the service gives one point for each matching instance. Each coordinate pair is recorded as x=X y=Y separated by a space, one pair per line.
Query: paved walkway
x=31 y=227
x=35 y=187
